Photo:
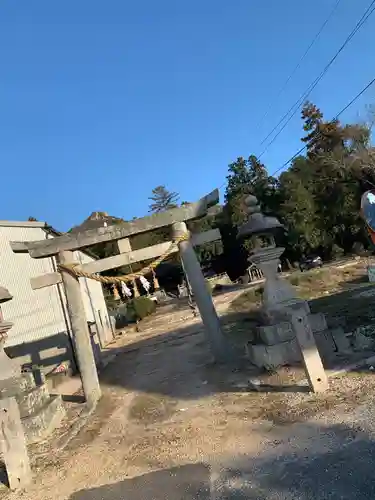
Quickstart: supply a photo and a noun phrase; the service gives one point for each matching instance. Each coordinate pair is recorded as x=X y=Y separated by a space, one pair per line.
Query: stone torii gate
x=62 y=248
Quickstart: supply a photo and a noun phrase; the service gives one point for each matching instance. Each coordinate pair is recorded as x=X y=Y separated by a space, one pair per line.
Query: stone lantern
x=275 y=341
x=278 y=294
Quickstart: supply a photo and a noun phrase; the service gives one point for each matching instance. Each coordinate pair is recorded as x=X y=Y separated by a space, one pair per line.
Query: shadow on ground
x=307 y=462
x=179 y=364
x=189 y=482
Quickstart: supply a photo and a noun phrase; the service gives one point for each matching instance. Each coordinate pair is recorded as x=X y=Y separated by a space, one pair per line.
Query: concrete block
x=40 y=424
x=361 y=340
x=283 y=331
x=275 y=334
x=16 y=385
x=317 y=322
x=274 y=355
x=29 y=402
x=341 y=340
x=325 y=342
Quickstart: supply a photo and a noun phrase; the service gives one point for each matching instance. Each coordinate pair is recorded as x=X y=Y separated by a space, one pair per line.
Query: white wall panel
x=36 y=314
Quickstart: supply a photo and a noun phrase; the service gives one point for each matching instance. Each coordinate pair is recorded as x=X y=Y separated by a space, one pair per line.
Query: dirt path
x=173 y=425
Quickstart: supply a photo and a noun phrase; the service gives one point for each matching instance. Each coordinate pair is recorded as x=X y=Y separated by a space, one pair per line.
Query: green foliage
x=209 y=286
x=139 y=308
x=318 y=197
x=249 y=177
x=162 y=199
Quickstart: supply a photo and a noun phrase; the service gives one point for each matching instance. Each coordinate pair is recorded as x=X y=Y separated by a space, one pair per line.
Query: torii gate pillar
x=85 y=355
x=202 y=296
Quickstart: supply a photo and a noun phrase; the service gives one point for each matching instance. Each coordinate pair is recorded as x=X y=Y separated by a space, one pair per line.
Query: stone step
x=39 y=426
x=16 y=385
x=31 y=401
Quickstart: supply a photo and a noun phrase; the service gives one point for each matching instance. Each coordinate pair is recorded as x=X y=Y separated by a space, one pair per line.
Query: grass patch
x=329 y=290
x=249 y=300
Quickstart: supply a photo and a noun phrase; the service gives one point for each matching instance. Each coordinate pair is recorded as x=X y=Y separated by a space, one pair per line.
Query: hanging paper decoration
x=145 y=283
x=126 y=290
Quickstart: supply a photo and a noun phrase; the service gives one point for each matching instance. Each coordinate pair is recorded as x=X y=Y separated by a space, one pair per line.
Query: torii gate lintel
x=63 y=246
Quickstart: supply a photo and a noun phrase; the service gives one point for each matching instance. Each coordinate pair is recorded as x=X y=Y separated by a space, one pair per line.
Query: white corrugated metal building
x=41 y=333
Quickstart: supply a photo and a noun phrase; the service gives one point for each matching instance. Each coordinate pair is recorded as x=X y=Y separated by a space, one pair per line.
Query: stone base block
x=276 y=313
x=341 y=340
x=363 y=339
x=325 y=343
x=272 y=356
x=275 y=334
x=29 y=402
x=283 y=331
x=317 y=322
x=39 y=425
x=23 y=383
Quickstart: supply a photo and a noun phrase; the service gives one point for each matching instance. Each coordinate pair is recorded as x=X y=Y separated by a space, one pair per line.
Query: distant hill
x=100 y=219
x=95 y=221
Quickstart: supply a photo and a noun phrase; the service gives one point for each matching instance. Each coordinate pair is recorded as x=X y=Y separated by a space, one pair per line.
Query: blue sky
x=102 y=101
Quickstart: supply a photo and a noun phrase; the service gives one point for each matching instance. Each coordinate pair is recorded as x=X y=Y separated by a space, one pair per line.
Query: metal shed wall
x=41 y=330
x=36 y=314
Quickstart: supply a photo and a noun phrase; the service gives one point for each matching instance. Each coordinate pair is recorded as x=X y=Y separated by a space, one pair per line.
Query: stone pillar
x=82 y=340
x=203 y=298
x=278 y=294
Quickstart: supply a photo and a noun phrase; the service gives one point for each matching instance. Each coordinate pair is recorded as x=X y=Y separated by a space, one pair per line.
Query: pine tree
x=323 y=137
x=162 y=199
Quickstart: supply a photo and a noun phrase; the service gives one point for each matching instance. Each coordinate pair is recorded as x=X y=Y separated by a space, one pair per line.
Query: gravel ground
x=166 y=428
x=173 y=426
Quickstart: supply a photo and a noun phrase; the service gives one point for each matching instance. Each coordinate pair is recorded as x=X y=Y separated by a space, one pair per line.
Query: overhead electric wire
x=298 y=65
x=294 y=108
x=319 y=134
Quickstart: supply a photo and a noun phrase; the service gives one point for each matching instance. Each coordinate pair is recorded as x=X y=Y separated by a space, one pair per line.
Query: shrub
x=140 y=307
x=209 y=286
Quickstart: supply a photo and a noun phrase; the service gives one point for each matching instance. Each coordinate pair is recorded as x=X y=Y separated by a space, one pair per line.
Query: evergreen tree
x=162 y=199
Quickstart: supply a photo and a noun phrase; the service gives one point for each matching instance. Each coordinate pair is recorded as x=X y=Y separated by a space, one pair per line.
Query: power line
x=319 y=134
x=298 y=65
x=370 y=9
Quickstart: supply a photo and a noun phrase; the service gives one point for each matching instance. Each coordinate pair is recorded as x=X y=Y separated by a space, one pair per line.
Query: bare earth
x=172 y=425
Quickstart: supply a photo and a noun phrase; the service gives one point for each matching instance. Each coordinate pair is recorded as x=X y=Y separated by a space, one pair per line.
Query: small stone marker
x=313 y=364
x=371 y=274
x=13 y=445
